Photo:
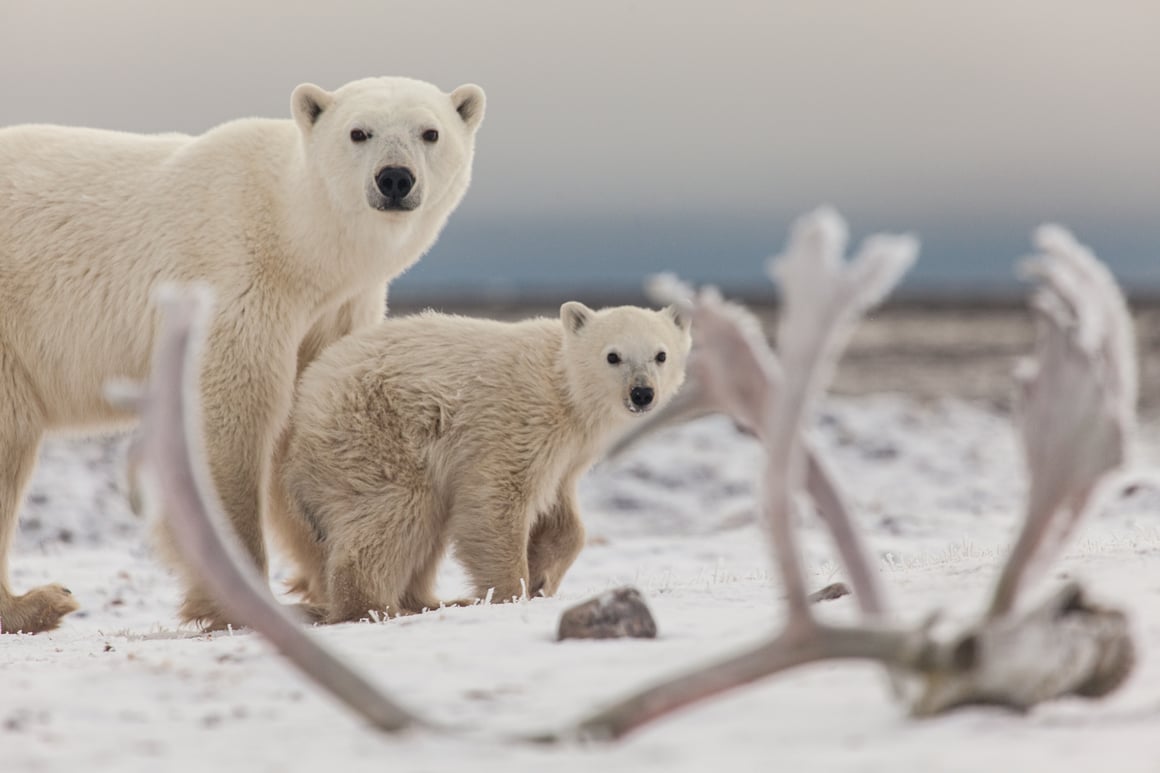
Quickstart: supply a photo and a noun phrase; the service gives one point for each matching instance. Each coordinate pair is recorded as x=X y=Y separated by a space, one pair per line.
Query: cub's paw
x=204 y=615
x=457 y=602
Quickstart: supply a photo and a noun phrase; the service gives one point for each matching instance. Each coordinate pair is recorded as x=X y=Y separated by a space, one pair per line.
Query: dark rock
x=832 y=591
x=613 y=614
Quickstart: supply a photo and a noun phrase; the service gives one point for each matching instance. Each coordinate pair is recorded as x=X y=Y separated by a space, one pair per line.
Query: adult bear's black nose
x=395 y=182
x=641 y=396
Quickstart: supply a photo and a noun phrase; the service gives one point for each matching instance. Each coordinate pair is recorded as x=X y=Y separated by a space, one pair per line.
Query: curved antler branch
x=1077 y=406
x=174 y=483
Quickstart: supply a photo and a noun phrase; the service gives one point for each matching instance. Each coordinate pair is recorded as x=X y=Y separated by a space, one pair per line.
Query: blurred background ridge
x=627 y=138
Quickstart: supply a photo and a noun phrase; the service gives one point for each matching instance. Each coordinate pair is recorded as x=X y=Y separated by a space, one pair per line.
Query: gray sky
x=619 y=133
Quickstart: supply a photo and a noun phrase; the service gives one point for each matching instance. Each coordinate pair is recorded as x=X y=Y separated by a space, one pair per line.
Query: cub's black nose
x=641 y=396
x=395 y=182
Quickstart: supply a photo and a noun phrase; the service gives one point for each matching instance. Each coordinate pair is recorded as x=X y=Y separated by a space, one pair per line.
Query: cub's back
x=433 y=358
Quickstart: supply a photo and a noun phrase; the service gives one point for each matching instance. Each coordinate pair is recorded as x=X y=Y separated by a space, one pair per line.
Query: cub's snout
x=640 y=398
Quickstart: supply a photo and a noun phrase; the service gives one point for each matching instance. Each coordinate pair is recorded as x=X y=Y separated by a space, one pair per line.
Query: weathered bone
x=1065 y=646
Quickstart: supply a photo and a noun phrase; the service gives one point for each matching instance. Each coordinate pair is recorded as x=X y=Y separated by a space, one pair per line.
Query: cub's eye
x=613 y=358
x=358 y=135
x=661 y=357
x=431 y=135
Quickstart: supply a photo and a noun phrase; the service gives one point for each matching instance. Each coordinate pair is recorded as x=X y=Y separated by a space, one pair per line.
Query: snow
x=936 y=486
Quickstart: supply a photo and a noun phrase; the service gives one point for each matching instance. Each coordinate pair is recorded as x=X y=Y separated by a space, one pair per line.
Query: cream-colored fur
x=281 y=217
x=432 y=429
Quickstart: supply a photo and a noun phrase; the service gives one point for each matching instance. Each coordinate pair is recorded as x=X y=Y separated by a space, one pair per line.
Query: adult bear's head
x=395 y=145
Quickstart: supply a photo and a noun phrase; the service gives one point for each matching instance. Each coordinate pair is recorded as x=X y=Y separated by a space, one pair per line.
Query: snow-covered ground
x=936 y=487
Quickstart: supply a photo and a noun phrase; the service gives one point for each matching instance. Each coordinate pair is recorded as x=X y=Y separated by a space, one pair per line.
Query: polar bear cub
x=298 y=224
x=436 y=429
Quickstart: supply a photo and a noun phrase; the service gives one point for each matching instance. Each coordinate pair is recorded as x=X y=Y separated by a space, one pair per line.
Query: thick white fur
x=433 y=429
x=279 y=217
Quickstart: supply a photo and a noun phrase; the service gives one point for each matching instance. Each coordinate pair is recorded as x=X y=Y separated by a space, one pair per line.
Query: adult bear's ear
x=469 y=102
x=307 y=103
x=679 y=316
x=574 y=315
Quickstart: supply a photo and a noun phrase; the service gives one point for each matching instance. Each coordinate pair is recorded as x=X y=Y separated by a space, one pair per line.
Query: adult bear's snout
x=395 y=182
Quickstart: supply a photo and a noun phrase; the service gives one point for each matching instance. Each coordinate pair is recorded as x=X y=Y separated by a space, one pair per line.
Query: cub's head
x=624 y=360
x=393 y=145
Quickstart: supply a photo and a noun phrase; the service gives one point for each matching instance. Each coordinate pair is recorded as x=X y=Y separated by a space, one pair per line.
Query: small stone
x=832 y=591
x=611 y=615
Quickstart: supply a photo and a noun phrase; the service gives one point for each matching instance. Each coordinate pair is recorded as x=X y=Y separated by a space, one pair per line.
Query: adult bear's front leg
x=21 y=426
x=247 y=383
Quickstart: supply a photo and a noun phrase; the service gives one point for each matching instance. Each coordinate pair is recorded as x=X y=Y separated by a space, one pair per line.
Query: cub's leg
x=350 y=594
x=294 y=531
x=556 y=540
x=421 y=593
x=382 y=551
x=21 y=423
x=296 y=528
x=491 y=539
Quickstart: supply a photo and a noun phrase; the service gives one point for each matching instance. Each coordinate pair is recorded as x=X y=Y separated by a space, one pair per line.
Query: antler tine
x=823 y=298
x=174 y=483
x=1089 y=288
x=835 y=514
x=1077 y=400
x=831 y=293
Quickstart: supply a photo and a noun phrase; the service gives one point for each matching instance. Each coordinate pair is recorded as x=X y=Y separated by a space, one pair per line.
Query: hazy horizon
x=624 y=138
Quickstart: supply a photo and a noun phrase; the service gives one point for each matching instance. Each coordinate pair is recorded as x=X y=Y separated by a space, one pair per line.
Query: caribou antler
x=823 y=299
x=1077 y=414
x=1065 y=646
x=1077 y=406
x=173 y=482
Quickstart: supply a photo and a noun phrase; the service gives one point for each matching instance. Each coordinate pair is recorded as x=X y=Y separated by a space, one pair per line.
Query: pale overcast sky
x=624 y=136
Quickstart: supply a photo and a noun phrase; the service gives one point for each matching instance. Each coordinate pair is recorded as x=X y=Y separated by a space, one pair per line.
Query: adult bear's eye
x=431 y=135
x=613 y=358
x=661 y=357
x=358 y=135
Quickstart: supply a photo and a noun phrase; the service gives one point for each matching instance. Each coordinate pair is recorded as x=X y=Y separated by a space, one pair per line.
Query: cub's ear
x=469 y=102
x=679 y=316
x=574 y=315
x=307 y=103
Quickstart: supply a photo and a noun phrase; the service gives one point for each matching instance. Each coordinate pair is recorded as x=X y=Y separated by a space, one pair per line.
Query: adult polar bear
x=297 y=225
